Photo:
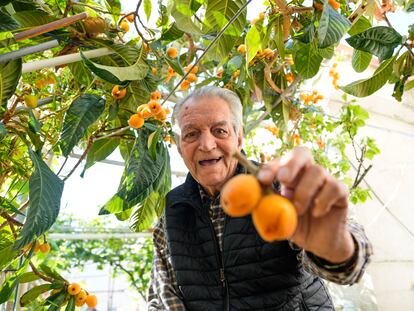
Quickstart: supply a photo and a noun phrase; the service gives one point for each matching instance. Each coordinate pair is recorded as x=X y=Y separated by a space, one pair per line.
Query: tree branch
x=220 y=33
x=356 y=183
x=10 y=219
x=88 y=147
x=39 y=274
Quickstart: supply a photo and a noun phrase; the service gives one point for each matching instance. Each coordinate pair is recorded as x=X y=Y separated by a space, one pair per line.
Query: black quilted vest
x=249 y=274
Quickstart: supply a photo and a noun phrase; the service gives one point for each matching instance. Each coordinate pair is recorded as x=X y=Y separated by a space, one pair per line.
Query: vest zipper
x=219 y=257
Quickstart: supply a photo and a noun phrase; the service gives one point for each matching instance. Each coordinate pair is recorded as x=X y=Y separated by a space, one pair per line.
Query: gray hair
x=231 y=98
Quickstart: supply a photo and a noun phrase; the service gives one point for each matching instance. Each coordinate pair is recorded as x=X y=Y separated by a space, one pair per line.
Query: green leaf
x=409 y=85
x=147 y=8
x=71 y=304
x=6 y=248
x=83 y=112
x=279 y=35
x=327 y=52
x=53 y=274
x=140 y=176
x=144 y=215
x=175 y=66
x=5 y=2
x=359 y=26
x=141 y=171
x=33 y=293
x=153 y=205
x=56 y=301
x=182 y=13
x=409 y=6
x=307 y=34
x=28 y=277
x=130 y=54
x=366 y=87
x=361 y=60
x=307 y=59
x=10 y=73
x=9 y=206
x=153 y=142
x=7 y=22
x=10 y=283
x=118 y=75
x=218 y=13
x=32 y=18
x=114 y=6
x=45 y=194
x=81 y=73
x=380 y=41
x=3 y=131
x=235 y=63
x=100 y=150
x=252 y=42
x=172 y=33
x=332 y=26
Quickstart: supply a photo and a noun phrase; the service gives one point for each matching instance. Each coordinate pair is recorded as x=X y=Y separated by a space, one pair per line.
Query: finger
x=312 y=180
x=267 y=173
x=287 y=192
x=292 y=165
x=332 y=193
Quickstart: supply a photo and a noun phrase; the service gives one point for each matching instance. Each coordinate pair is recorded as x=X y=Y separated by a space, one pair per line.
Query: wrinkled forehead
x=204 y=110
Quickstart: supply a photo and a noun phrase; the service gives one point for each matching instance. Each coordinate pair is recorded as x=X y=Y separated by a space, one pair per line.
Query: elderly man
x=205 y=260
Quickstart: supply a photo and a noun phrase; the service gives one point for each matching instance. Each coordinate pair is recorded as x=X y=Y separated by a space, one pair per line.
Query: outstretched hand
x=321 y=203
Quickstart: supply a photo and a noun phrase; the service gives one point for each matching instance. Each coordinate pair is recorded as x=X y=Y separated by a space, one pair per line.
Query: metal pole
x=49 y=27
x=98 y=236
x=64 y=59
x=28 y=50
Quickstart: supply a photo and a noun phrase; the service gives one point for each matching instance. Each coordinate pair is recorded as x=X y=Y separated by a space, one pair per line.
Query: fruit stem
x=250 y=167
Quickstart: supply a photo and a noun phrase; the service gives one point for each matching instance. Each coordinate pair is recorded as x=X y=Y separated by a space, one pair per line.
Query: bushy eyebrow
x=191 y=126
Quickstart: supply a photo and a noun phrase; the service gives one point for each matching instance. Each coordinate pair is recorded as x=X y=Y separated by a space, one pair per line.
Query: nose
x=207 y=142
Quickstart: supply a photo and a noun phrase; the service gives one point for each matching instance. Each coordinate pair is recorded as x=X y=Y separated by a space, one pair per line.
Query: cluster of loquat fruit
x=124 y=23
x=267 y=54
x=81 y=296
x=335 y=76
x=314 y=97
x=191 y=77
x=272 y=129
x=152 y=109
x=259 y=18
x=273 y=215
x=296 y=139
x=42 y=247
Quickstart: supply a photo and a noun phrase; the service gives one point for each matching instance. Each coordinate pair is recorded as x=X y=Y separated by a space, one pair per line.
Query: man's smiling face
x=208 y=141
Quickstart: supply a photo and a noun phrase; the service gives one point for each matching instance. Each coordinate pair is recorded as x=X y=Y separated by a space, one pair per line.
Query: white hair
x=231 y=98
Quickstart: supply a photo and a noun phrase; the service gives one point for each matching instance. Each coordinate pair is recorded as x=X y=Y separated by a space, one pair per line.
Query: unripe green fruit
x=30 y=101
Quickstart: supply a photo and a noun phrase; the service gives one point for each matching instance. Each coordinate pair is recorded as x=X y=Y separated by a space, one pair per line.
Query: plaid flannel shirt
x=164 y=293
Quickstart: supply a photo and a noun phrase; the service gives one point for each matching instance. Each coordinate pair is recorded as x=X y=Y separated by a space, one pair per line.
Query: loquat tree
x=72 y=81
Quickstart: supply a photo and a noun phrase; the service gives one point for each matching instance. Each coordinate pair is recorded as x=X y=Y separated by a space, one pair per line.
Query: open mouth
x=209 y=162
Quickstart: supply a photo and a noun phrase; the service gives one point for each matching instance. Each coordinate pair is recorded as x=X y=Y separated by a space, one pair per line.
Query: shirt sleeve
x=349 y=272
x=163 y=292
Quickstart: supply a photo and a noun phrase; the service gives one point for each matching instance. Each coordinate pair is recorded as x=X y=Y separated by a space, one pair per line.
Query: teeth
x=209 y=161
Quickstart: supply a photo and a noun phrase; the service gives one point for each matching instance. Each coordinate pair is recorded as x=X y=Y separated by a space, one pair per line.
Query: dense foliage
x=96 y=104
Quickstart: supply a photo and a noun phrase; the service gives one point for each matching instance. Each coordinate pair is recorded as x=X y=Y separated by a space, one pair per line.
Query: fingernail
x=283 y=174
x=263 y=175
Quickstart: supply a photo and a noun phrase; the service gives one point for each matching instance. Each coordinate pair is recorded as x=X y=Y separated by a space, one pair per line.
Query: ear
x=240 y=140
x=177 y=143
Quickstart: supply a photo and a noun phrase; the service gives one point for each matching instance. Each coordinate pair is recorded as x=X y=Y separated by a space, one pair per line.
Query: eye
x=220 y=132
x=190 y=136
